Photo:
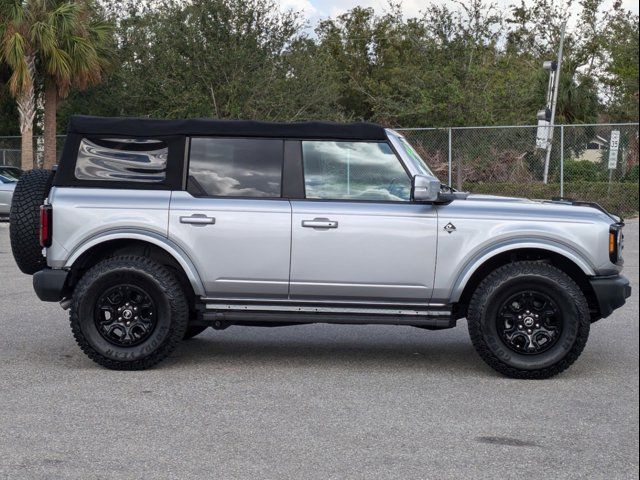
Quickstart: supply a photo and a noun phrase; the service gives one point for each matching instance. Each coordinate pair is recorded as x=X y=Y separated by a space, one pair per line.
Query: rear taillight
x=46 y=225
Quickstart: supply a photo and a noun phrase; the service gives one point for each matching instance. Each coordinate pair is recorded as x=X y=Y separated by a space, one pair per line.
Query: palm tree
x=16 y=52
x=74 y=50
x=59 y=44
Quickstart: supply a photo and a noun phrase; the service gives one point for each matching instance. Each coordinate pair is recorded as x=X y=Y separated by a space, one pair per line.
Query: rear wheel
x=529 y=320
x=128 y=313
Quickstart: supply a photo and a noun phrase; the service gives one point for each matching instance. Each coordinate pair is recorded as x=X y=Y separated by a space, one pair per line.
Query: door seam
x=290 y=248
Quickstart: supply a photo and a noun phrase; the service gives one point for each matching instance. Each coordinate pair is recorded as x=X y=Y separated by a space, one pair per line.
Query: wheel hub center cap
x=127 y=314
x=528 y=322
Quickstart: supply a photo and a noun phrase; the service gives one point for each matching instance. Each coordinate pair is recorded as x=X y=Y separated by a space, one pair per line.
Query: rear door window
x=235 y=167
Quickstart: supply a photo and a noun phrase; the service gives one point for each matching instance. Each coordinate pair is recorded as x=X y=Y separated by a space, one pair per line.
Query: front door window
x=354 y=171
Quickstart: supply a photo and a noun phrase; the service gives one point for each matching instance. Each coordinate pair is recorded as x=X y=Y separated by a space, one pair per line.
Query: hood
x=496 y=198
x=523 y=208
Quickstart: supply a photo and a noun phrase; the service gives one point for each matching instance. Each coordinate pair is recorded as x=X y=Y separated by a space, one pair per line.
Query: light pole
x=546 y=117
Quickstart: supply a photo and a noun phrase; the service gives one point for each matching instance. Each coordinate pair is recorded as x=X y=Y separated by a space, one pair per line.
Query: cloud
x=325 y=8
x=304 y=6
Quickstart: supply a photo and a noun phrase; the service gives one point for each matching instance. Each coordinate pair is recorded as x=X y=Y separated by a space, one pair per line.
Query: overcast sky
x=315 y=9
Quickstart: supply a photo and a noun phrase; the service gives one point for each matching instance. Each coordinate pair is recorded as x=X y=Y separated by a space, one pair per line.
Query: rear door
x=356 y=236
x=232 y=221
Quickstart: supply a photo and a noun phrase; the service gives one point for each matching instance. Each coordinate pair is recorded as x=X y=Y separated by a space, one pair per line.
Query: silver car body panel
x=6 y=194
x=245 y=252
x=82 y=214
x=144 y=236
x=367 y=253
x=377 y=251
x=489 y=226
x=87 y=217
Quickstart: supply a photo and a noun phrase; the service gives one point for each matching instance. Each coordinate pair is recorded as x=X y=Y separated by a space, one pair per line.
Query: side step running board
x=224 y=314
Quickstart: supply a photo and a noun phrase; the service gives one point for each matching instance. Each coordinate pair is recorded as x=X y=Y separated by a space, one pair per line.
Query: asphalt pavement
x=310 y=402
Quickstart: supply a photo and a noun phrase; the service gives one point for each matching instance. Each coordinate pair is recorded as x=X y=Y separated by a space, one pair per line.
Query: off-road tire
x=557 y=285
x=194 y=330
x=24 y=217
x=165 y=290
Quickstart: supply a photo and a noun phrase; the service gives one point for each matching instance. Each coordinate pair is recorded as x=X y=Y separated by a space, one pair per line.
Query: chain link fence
x=505 y=161
x=11 y=148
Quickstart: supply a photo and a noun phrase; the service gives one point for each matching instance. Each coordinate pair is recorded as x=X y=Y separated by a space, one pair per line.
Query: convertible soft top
x=88 y=125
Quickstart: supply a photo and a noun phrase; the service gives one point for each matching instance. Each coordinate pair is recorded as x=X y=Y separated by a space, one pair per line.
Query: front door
x=357 y=237
x=232 y=221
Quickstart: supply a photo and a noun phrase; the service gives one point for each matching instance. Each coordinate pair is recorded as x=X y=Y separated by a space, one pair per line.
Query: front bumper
x=50 y=284
x=611 y=293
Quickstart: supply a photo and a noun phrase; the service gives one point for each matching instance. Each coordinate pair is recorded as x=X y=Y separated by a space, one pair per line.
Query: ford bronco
x=150 y=231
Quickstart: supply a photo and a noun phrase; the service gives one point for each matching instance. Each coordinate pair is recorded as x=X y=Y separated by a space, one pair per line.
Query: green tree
x=17 y=53
x=57 y=44
x=620 y=76
x=73 y=46
x=471 y=64
x=214 y=58
x=8 y=111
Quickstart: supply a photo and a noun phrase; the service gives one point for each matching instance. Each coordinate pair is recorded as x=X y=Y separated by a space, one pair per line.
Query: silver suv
x=154 y=230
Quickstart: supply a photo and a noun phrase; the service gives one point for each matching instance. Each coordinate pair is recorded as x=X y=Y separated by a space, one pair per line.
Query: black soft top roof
x=142 y=127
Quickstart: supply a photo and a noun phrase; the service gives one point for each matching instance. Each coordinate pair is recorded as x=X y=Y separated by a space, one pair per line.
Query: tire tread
x=167 y=282
x=24 y=219
x=492 y=283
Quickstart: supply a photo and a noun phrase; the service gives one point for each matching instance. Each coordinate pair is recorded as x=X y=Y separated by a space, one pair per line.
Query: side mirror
x=425 y=189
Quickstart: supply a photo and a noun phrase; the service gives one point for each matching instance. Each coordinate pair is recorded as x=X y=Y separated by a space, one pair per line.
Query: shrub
x=583 y=171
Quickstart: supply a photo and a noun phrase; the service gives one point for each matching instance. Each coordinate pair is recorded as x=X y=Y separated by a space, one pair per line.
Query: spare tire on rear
x=24 y=228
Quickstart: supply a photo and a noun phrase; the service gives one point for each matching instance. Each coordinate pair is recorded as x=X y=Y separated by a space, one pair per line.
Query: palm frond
x=14 y=53
x=12 y=11
x=65 y=18
x=42 y=34
x=73 y=46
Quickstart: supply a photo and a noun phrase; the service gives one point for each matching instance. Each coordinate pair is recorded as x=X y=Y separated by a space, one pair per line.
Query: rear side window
x=235 y=167
x=122 y=160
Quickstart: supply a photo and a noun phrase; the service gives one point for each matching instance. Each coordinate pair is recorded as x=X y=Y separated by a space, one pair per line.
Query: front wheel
x=528 y=320
x=128 y=313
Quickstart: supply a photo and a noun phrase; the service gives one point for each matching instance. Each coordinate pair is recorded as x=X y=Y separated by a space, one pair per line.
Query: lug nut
x=529 y=332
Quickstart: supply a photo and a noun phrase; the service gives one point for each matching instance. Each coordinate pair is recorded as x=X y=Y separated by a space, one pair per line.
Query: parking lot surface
x=310 y=402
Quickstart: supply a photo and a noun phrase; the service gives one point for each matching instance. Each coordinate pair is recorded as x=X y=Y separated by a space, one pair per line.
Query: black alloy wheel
x=529 y=322
x=125 y=315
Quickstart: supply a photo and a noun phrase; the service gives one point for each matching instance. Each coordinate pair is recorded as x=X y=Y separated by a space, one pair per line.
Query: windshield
x=417 y=160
